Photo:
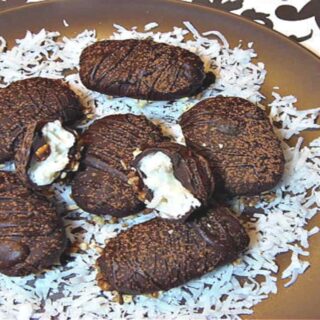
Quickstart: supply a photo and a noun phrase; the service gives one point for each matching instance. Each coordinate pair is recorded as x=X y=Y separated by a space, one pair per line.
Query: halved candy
x=46 y=151
x=32 y=100
x=176 y=179
x=102 y=185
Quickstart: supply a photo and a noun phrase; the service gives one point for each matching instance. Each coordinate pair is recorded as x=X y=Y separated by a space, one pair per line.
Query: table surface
x=296 y=19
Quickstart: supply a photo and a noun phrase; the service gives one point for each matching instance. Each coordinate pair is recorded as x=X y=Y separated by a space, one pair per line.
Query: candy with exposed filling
x=103 y=185
x=45 y=152
x=177 y=180
x=31 y=100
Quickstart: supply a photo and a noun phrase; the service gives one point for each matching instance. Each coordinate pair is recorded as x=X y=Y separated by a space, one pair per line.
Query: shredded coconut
x=150 y=26
x=71 y=291
x=65 y=23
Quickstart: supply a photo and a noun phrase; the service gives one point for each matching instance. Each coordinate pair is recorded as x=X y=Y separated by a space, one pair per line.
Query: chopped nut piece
x=83 y=246
x=136 y=152
x=113 y=220
x=153 y=295
x=142 y=103
x=127 y=298
x=269 y=197
x=99 y=250
x=103 y=285
x=98 y=219
x=133 y=180
x=142 y=196
x=43 y=152
x=123 y=165
x=90 y=116
x=63 y=175
x=72 y=207
x=117 y=297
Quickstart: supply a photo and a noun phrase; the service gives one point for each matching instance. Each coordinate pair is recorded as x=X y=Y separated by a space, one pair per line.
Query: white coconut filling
x=170 y=198
x=60 y=141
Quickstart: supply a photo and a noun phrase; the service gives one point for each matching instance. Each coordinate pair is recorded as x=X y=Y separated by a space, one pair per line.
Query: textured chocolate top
x=34 y=99
x=238 y=139
x=105 y=191
x=159 y=254
x=189 y=167
x=142 y=69
x=31 y=233
x=102 y=187
x=113 y=139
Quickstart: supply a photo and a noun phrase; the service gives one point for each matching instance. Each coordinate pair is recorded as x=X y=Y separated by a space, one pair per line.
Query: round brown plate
x=294 y=69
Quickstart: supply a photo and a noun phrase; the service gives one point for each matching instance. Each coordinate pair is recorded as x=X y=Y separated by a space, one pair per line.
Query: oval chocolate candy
x=32 y=237
x=142 y=69
x=160 y=254
x=237 y=138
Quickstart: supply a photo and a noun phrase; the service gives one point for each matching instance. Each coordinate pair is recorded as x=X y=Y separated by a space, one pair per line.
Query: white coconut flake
x=279 y=219
x=295 y=268
x=293 y=121
x=3 y=44
x=65 y=23
x=150 y=26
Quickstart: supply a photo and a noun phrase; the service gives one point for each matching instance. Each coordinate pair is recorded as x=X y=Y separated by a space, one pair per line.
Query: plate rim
x=201 y=6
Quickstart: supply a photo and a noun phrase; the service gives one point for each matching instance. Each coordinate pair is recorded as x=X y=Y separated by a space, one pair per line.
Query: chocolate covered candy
x=45 y=152
x=177 y=180
x=29 y=100
x=142 y=69
x=160 y=254
x=32 y=237
x=102 y=186
x=238 y=140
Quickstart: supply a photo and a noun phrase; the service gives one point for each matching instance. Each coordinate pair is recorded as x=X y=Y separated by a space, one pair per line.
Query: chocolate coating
x=238 y=139
x=159 y=254
x=32 y=237
x=105 y=192
x=34 y=99
x=142 y=69
x=102 y=187
x=189 y=167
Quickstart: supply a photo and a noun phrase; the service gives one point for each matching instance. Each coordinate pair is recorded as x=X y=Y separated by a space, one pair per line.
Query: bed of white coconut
x=71 y=292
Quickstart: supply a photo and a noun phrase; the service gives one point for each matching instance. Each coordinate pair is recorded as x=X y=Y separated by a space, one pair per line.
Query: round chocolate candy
x=142 y=69
x=237 y=138
x=34 y=99
x=102 y=186
x=161 y=254
x=176 y=179
x=32 y=237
